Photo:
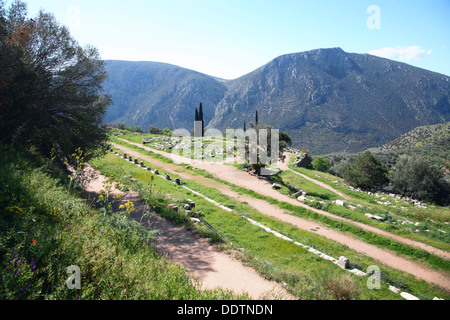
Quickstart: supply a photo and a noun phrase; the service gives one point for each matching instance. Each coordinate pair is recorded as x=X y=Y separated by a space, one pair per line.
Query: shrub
x=321 y=164
x=419 y=178
x=366 y=172
x=338 y=287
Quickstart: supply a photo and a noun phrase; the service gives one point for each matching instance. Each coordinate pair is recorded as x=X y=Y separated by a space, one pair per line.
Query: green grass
x=286 y=178
x=375 y=239
x=431 y=219
x=274 y=258
x=44 y=229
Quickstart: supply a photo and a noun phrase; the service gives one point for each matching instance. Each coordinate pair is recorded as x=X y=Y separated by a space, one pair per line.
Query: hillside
x=429 y=141
x=327 y=100
x=159 y=94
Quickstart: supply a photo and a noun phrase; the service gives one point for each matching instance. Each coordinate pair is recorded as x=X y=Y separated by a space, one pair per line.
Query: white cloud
x=402 y=54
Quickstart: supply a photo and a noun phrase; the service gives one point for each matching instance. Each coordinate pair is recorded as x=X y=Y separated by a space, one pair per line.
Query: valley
x=327 y=100
x=260 y=196
x=314 y=175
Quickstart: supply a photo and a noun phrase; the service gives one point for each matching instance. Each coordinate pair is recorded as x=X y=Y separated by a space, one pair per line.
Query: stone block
x=172 y=206
x=339 y=203
x=343 y=262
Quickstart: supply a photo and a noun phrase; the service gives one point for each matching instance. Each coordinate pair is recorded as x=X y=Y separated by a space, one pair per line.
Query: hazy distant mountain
x=327 y=100
x=159 y=94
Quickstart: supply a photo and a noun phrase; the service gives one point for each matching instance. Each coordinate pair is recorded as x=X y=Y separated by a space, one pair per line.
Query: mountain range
x=326 y=100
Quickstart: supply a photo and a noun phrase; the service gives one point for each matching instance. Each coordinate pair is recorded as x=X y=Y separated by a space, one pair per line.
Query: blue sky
x=229 y=38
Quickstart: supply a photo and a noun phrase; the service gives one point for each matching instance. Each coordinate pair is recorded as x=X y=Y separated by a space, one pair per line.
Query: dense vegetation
x=414 y=165
x=49 y=85
x=44 y=229
x=51 y=115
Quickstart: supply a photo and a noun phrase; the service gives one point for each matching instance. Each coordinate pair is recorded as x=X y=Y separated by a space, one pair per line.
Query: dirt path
x=263 y=187
x=239 y=178
x=212 y=267
x=284 y=166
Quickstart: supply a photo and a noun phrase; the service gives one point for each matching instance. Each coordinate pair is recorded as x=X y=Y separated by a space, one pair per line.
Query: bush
x=336 y=286
x=321 y=164
x=51 y=88
x=166 y=132
x=366 y=172
x=154 y=130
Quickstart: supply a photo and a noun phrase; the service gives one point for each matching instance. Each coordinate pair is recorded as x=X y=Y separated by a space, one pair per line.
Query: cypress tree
x=256 y=117
x=245 y=127
x=200 y=117
x=196 y=114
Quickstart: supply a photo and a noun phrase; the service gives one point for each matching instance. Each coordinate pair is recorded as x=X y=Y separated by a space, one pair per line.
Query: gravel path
x=211 y=266
x=240 y=178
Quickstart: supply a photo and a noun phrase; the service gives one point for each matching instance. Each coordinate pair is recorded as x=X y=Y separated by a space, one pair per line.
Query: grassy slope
x=229 y=228
x=381 y=241
x=44 y=229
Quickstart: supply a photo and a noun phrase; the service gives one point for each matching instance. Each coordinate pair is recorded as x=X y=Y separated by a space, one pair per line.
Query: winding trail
x=211 y=266
x=283 y=166
x=242 y=179
x=260 y=185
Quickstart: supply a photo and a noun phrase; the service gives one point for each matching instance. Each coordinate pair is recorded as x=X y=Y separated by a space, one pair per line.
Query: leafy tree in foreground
x=49 y=85
x=366 y=172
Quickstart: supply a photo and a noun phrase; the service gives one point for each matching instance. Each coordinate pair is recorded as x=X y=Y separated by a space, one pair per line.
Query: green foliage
x=44 y=229
x=285 y=138
x=321 y=164
x=366 y=172
x=134 y=129
x=419 y=178
x=166 y=132
x=49 y=85
x=154 y=130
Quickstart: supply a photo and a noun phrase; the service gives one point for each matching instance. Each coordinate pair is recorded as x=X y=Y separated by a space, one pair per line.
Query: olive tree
x=50 y=86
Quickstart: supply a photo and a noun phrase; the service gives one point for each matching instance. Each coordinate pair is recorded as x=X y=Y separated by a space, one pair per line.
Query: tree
x=154 y=130
x=259 y=146
x=321 y=164
x=49 y=86
x=167 y=132
x=419 y=178
x=366 y=172
x=284 y=137
x=256 y=117
x=200 y=118
x=134 y=129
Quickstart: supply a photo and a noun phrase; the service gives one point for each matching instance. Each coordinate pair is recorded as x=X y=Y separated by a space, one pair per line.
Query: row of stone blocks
x=141 y=163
